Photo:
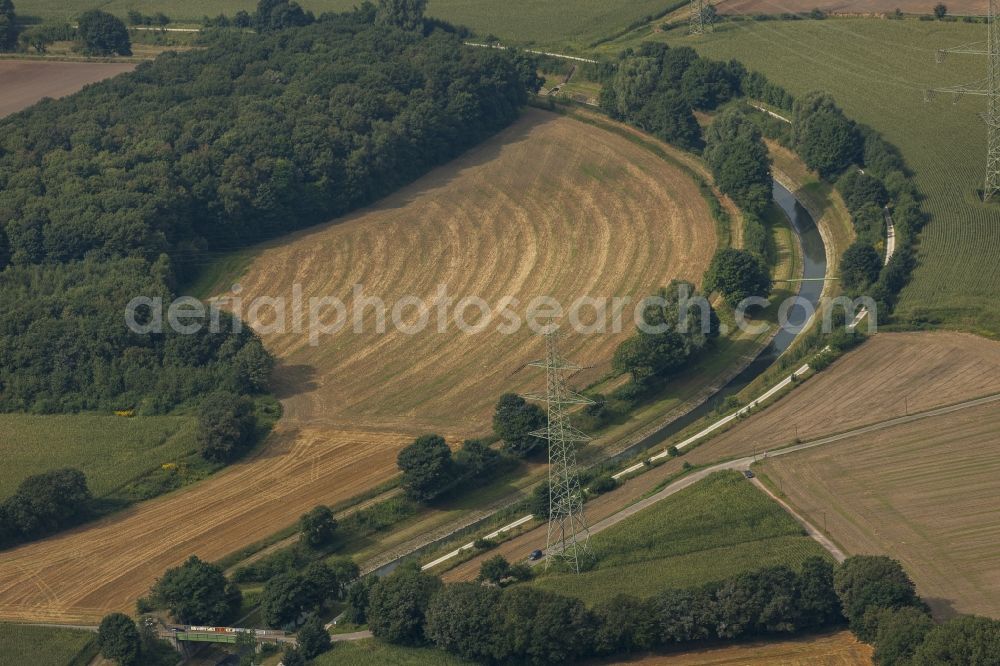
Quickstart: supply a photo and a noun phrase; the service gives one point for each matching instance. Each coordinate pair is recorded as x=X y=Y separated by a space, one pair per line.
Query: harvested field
x=924 y=493
x=25 y=82
x=888 y=376
x=849 y=7
x=836 y=649
x=594 y=214
x=866 y=386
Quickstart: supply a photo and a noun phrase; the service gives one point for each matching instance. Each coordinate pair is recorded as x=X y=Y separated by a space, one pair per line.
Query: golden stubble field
x=840 y=648
x=550 y=206
x=925 y=493
x=888 y=376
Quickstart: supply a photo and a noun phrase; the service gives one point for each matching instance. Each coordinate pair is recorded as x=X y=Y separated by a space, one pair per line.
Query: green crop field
x=878 y=71
x=525 y=21
x=377 y=653
x=110 y=450
x=717 y=528
x=25 y=644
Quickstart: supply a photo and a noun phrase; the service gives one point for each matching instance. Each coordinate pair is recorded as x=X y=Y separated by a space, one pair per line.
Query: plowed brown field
x=25 y=82
x=551 y=206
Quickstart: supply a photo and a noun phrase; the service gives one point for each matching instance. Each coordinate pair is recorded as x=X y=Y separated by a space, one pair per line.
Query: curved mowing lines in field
x=509 y=217
x=572 y=219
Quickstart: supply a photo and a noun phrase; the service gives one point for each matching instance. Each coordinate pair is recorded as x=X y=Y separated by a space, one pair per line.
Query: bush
x=603 y=484
x=460 y=620
x=318 y=526
x=864 y=582
x=226 y=425
x=427 y=467
x=740 y=162
x=737 y=275
x=313 y=638
x=103 y=34
x=677 y=324
x=859 y=266
x=197 y=593
x=43 y=504
x=398 y=603
x=514 y=420
x=119 y=639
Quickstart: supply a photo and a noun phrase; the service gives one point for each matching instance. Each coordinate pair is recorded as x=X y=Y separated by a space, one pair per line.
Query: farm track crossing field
x=888 y=376
x=719 y=527
x=878 y=71
x=110 y=450
x=837 y=649
x=25 y=82
x=931 y=369
x=924 y=493
x=631 y=222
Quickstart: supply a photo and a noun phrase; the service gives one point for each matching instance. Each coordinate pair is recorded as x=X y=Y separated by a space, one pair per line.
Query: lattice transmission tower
x=700 y=20
x=568 y=536
x=988 y=87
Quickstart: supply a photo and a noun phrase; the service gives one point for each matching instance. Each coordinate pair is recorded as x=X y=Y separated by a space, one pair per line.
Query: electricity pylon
x=699 y=18
x=568 y=536
x=988 y=87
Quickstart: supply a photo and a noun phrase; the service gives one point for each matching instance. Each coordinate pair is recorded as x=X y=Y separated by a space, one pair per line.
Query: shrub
x=603 y=484
x=737 y=275
x=226 y=425
x=428 y=468
x=103 y=34
x=197 y=593
x=514 y=420
x=398 y=603
x=859 y=266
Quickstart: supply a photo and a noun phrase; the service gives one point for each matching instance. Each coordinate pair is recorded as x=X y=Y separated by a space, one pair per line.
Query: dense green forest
x=127 y=187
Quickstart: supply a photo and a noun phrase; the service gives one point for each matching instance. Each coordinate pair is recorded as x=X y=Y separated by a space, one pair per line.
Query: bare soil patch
x=25 y=82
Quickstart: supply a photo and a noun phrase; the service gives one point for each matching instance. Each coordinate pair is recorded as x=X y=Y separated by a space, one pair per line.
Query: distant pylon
x=992 y=183
x=568 y=537
x=990 y=88
x=699 y=22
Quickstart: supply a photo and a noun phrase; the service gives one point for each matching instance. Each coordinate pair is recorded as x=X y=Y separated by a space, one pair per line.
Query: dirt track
x=864 y=387
x=25 y=82
x=551 y=206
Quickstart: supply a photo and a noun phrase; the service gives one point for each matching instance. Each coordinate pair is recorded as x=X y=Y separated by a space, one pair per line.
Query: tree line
x=130 y=186
x=658 y=89
x=486 y=623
